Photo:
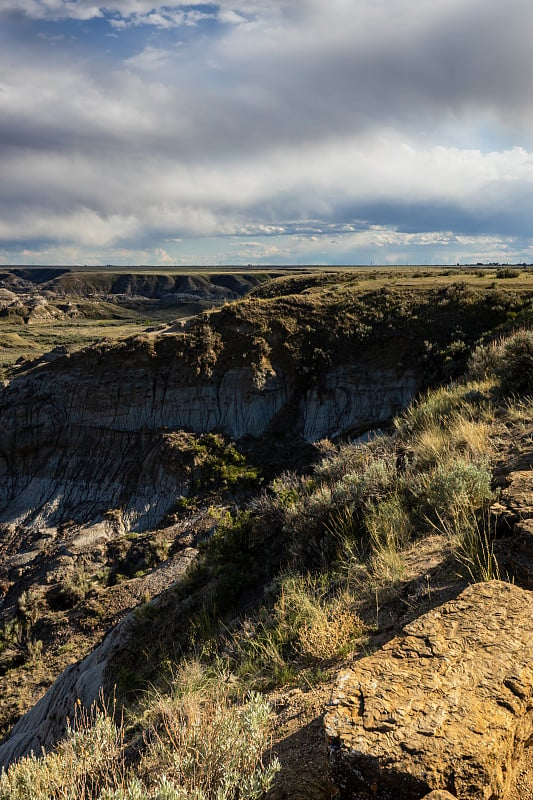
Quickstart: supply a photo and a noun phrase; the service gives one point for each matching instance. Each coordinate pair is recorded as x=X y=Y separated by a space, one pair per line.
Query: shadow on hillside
x=304 y=771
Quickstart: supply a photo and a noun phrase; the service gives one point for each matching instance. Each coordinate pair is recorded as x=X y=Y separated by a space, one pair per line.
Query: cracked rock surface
x=446 y=705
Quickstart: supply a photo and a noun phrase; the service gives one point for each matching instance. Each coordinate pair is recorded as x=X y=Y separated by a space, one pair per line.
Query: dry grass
x=324 y=625
x=519 y=411
x=200 y=745
x=389 y=527
x=312 y=622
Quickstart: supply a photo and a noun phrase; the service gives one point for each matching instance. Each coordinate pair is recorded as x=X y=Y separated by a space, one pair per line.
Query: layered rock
x=447 y=705
x=80 y=433
x=83 y=434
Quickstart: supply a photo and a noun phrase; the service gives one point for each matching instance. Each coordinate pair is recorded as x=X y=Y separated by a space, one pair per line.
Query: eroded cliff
x=85 y=433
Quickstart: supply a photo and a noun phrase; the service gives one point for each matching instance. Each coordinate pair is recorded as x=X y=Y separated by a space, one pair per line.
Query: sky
x=266 y=132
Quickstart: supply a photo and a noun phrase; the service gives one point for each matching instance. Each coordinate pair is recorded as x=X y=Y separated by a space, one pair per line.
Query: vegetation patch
x=200 y=744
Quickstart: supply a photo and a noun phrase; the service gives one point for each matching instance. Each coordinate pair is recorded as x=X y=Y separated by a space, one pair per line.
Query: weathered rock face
x=83 y=434
x=447 y=705
x=354 y=397
x=515 y=554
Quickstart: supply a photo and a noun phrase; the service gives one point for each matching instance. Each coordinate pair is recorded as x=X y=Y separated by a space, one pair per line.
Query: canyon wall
x=87 y=434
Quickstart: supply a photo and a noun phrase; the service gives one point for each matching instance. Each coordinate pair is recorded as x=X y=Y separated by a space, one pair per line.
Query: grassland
x=18 y=342
x=45 y=308
x=96 y=318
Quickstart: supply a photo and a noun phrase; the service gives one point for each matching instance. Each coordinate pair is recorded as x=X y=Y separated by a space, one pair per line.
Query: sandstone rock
x=518 y=494
x=439 y=794
x=446 y=705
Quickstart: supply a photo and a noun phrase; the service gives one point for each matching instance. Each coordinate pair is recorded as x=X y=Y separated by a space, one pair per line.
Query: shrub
x=514 y=368
x=311 y=621
x=206 y=745
x=459 y=434
x=200 y=746
x=320 y=624
x=508 y=272
x=366 y=486
x=455 y=486
x=340 y=460
x=72 y=589
x=90 y=759
x=509 y=360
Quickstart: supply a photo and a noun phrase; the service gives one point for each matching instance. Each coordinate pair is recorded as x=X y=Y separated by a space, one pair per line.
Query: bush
x=90 y=759
x=311 y=622
x=206 y=745
x=514 y=368
x=460 y=434
x=321 y=625
x=509 y=360
x=201 y=746
x=454 y=487
x=508 y=272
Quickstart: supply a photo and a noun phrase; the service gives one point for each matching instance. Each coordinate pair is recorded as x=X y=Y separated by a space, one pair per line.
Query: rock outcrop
x=447 y=705
x=84 y=433
x=515 y=554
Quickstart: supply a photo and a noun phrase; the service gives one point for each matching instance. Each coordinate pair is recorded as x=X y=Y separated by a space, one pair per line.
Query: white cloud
x=54 y=9
x=230 y=17
x=149 y=59
x=165 y=18
x=163 y=257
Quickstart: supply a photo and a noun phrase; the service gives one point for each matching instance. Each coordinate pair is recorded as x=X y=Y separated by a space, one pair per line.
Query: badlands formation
x=104 y=449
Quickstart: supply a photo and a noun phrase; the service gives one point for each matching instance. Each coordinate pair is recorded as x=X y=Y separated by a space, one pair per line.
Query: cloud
x=52 y=9
x=275 y=120
x=126 y=13
x=165 y=18
x=230 y=17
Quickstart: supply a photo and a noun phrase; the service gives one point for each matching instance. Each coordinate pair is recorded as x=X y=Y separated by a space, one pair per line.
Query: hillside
x=48 y=311
x=211 y=474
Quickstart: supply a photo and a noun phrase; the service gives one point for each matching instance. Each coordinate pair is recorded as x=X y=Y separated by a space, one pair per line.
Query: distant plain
x=99 y=315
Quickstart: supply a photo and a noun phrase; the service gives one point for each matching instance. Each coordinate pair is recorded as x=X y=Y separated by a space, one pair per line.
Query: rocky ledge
x=447 y=705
